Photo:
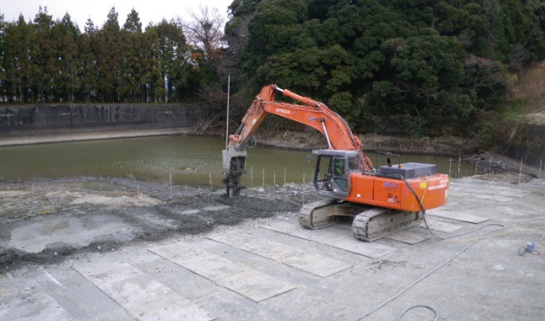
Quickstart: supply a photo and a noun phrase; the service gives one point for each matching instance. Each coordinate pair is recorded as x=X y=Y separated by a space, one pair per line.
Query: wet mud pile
x=46 y=222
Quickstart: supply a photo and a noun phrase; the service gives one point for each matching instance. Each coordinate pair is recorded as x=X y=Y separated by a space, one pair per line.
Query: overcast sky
x=97 y=10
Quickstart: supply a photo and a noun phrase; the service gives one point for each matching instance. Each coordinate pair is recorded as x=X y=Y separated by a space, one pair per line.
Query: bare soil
x=47 y=221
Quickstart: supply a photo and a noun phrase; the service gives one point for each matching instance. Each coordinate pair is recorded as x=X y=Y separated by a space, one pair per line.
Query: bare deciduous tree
x=204 y=32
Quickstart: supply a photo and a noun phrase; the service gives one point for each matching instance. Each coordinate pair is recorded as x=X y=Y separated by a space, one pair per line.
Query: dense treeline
x=48 y=60
x=393 y=66
x=416 y=65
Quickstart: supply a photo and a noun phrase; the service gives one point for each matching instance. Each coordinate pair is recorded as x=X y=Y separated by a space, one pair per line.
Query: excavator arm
x=312 y=113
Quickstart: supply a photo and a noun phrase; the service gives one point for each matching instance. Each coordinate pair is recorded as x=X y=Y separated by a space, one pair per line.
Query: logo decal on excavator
x=440 y=186
x=283 y=111
x=391 y=185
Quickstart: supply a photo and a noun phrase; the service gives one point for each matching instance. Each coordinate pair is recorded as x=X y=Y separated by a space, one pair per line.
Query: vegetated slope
x=531 y=90
x=524 y=117
x=393 y=67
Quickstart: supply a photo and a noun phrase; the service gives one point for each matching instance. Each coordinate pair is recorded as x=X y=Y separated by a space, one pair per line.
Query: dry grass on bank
x=527 y=97
x=531 y=87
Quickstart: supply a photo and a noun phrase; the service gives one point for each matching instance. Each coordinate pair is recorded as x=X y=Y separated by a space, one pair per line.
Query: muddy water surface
x=188 y=159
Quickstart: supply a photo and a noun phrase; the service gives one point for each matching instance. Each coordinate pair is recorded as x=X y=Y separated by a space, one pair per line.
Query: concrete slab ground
x=271 y=269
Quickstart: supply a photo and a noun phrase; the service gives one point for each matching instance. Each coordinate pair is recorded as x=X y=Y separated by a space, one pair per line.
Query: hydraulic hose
x=501 y=227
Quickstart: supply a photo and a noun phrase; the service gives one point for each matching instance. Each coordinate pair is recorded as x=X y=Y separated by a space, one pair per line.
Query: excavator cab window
x=331 y=176
x=339 y=174
x=338 y=166
x=353 y=164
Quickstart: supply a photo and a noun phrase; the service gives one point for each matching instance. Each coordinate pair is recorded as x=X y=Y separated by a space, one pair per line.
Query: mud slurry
x=48 y=221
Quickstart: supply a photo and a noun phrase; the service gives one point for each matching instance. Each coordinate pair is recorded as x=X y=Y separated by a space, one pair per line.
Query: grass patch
x=514 y=110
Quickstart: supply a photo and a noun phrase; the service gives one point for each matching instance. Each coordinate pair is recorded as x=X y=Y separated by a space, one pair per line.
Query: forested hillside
x=407 y=66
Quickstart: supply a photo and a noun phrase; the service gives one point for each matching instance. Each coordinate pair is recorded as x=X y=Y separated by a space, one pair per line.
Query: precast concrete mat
x=487 y=190
x=488 y=197
x=441 y=226
x=142 y=297
x=332 y=236
x=36 y=306
x=463 y=216
x=408 y=237
x=238 y=278
x=309 y=262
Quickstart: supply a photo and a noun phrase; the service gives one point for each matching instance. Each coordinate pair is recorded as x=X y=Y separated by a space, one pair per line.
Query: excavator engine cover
x=408 y=170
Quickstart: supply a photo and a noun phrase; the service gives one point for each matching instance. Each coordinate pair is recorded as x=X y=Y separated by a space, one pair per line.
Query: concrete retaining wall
x=526 y=142
x=38 y=119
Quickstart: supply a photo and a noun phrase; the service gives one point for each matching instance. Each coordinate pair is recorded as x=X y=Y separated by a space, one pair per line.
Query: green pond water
x=190 y=160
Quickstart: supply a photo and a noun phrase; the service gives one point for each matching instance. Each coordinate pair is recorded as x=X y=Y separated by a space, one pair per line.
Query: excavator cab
x=332 y=172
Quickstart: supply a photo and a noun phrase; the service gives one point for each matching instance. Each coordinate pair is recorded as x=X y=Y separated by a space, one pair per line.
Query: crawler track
x=370 y=223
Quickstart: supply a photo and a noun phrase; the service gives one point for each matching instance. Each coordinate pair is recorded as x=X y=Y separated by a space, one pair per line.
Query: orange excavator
x=381 y=202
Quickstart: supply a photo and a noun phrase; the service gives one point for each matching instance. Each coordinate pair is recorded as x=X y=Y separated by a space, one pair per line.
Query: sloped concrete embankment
x=526 y=143
x=31 y=120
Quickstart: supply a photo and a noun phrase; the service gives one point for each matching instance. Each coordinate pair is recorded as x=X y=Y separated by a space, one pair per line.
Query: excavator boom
x=312 y=113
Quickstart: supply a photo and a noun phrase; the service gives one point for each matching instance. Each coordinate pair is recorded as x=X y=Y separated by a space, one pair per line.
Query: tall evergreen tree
x=172 y=50
x=109 y=59
x=17 y=59
x=151 y=59
x=133 y=75
x=88 y=63
x=65 y=35
x=3 y=57
x=43 y=56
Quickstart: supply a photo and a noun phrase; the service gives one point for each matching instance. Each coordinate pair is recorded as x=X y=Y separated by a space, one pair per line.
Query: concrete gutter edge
x=58 y=138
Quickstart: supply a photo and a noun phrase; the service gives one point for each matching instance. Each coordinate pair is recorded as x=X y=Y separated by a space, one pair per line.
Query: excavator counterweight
x=380 y=202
